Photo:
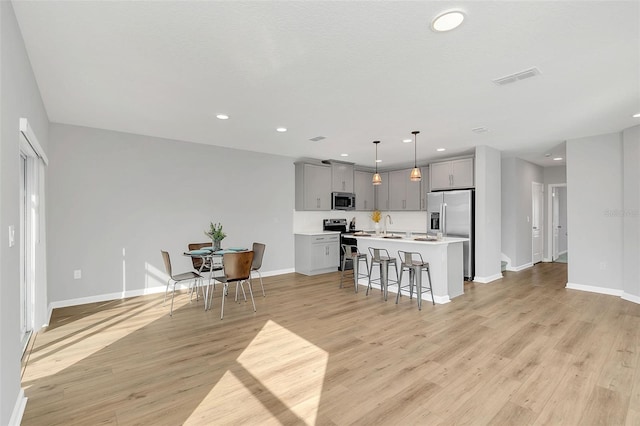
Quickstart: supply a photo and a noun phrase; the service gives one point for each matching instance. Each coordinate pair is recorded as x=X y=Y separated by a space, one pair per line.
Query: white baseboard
x=631 y=297
x=519 y=268
x=485 y=280
x=278 y=272
x=546 y=260
x=134 y=293
x=594 y=289
x=18 y=409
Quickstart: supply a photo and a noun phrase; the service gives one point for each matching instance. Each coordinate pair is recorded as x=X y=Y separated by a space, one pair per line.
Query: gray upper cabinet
x=451 y=174
x=382 y=192
x=365 y=194
x=313 y=187
x=424 y=187
x=404 y=195
x=341 y=177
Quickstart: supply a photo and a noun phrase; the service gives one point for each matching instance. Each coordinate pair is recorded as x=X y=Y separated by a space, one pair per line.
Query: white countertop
x=317 y=233
x=411 y=240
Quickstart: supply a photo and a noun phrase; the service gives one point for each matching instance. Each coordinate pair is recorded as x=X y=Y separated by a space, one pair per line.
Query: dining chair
x=204 y=265
x=186 y=276
x=258 y=253
x=237 y=269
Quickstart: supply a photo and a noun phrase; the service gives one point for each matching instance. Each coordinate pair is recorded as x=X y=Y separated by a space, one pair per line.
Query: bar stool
x=351 y=252
x=416 y=265
x=382 y=258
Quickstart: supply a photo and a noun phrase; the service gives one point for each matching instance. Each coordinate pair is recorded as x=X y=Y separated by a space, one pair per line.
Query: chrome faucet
x=385 y=223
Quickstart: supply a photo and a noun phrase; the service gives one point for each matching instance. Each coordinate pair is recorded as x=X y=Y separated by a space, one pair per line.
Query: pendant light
x=415 y=175
x=377 y=180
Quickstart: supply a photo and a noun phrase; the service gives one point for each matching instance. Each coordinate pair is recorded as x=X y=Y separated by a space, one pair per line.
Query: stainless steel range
x=346 y=237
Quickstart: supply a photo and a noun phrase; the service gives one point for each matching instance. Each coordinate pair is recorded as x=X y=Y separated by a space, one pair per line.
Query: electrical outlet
x=77 y=274
x=603 y=266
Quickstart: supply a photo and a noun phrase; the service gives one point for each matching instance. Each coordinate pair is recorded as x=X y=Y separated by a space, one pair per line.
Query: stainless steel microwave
x=343 y=201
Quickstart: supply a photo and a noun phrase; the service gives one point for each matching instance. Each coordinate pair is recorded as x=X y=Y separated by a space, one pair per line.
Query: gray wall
x=19 y=97
x=562 y=219
x=488 y=214
x=116 y=200
x=509 y=207
x=517 y=176
x=631 y=217
x=594 y=198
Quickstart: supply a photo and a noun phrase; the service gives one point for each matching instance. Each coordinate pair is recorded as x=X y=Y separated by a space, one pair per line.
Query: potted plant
x=216 y=234
x=375 y=217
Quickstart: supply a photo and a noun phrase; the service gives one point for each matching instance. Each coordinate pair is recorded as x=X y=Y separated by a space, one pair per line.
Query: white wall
x=631 y=216
x=115 y=200
x=19 y=98
x=488 y=213
x=594 y=200
x=517 y=176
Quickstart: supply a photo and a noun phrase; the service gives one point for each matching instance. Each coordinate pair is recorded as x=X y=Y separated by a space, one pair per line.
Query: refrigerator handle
x=443 y=215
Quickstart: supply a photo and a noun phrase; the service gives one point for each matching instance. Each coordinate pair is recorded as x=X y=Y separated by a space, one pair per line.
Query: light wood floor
x=522 y=350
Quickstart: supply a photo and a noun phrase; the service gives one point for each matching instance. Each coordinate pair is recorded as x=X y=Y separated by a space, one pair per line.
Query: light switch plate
x=77 y=274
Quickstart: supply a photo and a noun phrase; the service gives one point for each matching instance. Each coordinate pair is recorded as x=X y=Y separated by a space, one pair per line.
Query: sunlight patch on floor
x=280 y=371
x=83 y=337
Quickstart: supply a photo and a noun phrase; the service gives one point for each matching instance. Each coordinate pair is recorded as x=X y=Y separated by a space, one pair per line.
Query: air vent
x=531 y=72
x=317 y=138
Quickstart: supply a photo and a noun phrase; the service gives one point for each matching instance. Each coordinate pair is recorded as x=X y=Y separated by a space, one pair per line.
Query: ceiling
x=353 y=72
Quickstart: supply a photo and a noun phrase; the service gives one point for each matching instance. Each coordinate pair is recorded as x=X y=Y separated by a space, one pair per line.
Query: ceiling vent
x=507 y=79
x=317 y=138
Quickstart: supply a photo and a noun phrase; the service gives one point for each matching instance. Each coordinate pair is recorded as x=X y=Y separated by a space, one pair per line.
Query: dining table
x=208 y=256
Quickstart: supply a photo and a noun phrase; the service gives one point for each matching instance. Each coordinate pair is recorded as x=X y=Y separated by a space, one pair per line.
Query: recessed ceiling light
x=378 y=161
x=407 y=140
x=222 y=116
x=281 y=129
x=636 y=115
x=344 y=155
x=441 y=149
x=558 y=158
x=447 y=21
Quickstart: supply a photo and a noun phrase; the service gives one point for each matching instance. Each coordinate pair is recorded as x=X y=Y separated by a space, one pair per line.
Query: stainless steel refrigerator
x=452 y=213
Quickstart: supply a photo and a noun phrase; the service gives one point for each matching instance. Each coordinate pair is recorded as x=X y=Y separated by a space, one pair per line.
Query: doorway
x=537 y=215
x=31 y=235
x=559 y=246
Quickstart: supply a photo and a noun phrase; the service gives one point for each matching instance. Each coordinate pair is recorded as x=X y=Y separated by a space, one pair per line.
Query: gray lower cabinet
x=404 y=195
x=317 y=253
x=313 y=187
x=365 y=193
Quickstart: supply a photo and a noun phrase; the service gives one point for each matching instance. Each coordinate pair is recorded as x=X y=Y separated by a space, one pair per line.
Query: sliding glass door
x=26 y=250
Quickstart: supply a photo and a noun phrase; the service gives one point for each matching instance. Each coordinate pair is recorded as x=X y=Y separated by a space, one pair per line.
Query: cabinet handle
x=365 y=204
x=318 y=202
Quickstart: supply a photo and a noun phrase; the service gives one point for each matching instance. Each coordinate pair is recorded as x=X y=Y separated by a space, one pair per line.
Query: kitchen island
x=445 y=260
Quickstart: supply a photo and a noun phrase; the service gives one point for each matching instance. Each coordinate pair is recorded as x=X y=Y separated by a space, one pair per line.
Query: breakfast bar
x=445 y=258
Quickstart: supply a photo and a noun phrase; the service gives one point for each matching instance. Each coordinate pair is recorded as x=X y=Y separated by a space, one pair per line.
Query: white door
x=555 y=222
x=536 y=222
